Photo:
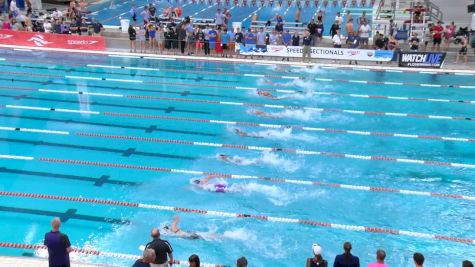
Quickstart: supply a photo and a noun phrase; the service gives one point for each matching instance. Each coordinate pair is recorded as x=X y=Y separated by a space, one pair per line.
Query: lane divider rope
x=254 y=177
x=296 y=127
x=97 y=253
x=252 y=124
x=260 y=217
x=330 y=110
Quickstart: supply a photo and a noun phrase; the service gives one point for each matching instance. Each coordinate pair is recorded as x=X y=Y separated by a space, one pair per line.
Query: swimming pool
x=336 y=150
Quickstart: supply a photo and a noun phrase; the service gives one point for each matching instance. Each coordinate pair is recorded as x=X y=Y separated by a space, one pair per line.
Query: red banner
x=50 y=40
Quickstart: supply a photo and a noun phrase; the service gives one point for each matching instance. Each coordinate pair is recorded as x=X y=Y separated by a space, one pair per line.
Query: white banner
x=317 y=52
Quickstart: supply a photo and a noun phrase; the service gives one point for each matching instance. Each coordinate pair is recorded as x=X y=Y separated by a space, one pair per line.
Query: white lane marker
x=82 y=78
x=15 y=157
x=52 y=109
x=3 y=128
x=253 y=75
x=78 y=93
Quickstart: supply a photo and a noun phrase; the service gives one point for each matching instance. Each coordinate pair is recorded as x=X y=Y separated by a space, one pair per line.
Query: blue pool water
x=123 y=230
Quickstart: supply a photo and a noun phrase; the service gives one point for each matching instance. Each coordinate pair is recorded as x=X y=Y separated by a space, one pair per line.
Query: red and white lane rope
x=254 y=177
x=260 y=217
x=286 y=150
x=287 y=91
x=330 y=110
x=296 y=127
x=97 y=253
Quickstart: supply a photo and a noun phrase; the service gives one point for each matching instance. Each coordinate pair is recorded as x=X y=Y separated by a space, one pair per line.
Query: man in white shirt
x=364 y=31
x=219 y=18
x=261 y=38
x=337 y=39
x=339 y=18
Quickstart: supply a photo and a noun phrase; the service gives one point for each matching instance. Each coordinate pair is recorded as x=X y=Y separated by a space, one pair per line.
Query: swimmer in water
x=244 y=134
x=229 y=159
x=175 y=230
x=219 y=187
x=266 y=94
x=262 y=113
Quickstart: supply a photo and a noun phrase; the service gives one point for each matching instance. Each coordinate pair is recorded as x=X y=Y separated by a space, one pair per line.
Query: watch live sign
x=421 y=59
x=50 y=40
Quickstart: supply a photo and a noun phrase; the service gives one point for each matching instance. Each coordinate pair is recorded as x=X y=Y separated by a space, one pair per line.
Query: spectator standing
x=182 y=38
x=275 y=38
x=349 y=27
x=227 y=17
x=463 y=50
x=306 y=51
x=148 y=257
x=414 y=43
x=242 y=262
x=83 y=27
x=199 y=39
x=364 y=31
x=298 y=15
x=132 y=38
x=133 y=12
x=346 y=259
x=162 y=248
x=353 y=42
x=317 y=260
x=58 y=246
x=206 y=39
x=212 y=33
x=339 y=18
x=362 y=19
x=320 y=29
x=251 y=39
x=219 y=18
x=337 y=39
x=145 y=15
x=320 y=15
x=418 y=259
x=151 y=36
x=287 y=41
x=467 y=264
x=279 y=27
x=296 y=39
x=448 y=34
x=190 y=37
x=348 y=15
x=261 y=38
x=392 y=28
x=380 y=256
x=225 y=40
x=437 y=31
x=194 y=261
x=312 y=28
x=239 y=37
x=254 y=18
x=160 y=38
x=141 y=38
x=232 y=41
x=334 y=28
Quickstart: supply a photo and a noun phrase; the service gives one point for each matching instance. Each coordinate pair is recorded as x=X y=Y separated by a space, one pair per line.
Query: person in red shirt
x=437 y=31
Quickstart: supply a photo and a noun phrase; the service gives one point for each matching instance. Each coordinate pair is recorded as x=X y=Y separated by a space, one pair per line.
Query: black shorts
x=224 y=46
x=463 y=51
x=437 y=41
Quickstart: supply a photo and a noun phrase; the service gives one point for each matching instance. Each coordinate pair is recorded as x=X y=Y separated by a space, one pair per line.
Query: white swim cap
x=317 y=250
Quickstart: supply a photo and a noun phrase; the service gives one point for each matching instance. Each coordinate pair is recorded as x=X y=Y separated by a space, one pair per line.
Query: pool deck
x=34 y=262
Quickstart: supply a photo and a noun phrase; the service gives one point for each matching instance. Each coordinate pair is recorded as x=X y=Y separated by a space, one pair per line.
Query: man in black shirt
x=334 y=28
x=162 y=248
x=312 y=28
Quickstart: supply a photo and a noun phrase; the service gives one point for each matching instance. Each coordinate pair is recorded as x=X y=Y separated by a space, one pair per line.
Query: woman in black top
x=194 y=261
x=317 y=260
x=132 y=38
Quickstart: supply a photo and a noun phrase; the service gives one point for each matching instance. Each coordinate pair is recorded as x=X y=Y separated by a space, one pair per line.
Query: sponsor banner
x=50 y=40
x=421 y=59
x=317 y=52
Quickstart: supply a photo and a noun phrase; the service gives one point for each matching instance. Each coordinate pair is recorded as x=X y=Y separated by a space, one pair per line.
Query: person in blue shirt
x=287 y=40
x=346 y=259
x=251 y=39
x=225 y=40
x=212 y=33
